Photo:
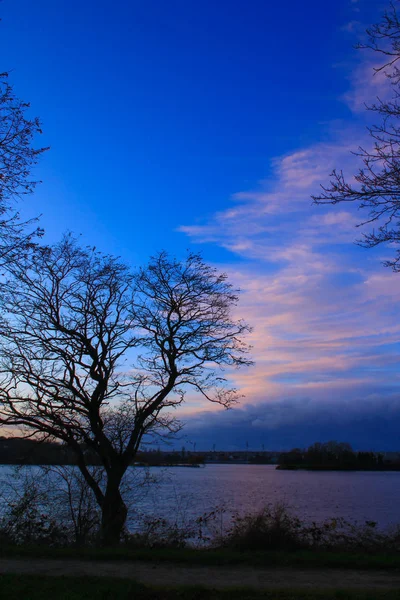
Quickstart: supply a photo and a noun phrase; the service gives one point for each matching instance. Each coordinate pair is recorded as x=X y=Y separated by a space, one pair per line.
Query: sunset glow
x=182 y=125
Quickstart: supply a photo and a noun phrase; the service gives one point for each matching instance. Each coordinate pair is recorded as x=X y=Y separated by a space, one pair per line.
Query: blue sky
x=207 y=125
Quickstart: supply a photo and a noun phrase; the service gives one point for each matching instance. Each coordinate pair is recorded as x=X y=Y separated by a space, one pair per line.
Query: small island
x=336 y=456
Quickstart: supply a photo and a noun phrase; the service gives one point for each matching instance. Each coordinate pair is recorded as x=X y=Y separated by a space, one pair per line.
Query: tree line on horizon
x=335 y=455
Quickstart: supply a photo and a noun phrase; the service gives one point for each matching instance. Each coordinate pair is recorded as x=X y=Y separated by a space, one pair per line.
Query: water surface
x=313 y=496
x=186 y=493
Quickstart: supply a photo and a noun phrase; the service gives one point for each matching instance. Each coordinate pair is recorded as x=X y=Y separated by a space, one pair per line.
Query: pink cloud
x=366 y=86
x=324 y=316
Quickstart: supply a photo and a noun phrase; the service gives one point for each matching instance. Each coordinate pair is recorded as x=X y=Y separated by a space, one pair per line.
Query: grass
x=35 y=587
x=301 y=558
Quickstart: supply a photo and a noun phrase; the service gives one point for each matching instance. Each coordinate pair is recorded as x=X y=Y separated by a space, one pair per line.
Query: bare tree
x=17 y=158
x=376 y=186
x=73 y=318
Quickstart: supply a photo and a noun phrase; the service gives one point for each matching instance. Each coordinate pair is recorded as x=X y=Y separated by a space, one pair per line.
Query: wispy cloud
x=367 y=86
x=323 y=310
x=351 y=26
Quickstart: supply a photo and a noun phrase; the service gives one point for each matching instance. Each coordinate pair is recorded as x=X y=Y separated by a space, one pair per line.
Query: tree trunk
x=113 y=516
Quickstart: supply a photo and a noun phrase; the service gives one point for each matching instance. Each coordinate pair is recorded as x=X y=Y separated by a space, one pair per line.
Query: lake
x=186 y=493
x=356 y=496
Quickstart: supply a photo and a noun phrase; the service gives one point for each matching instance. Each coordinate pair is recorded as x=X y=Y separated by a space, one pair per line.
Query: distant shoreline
x=385 y=468
x=336 y=468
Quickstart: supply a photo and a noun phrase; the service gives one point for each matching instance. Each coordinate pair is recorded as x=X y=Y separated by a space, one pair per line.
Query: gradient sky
x=207 y=125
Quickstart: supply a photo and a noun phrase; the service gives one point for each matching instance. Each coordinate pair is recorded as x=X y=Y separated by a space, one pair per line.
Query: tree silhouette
x=74 y=321
x=376 y=185
x=17 y=159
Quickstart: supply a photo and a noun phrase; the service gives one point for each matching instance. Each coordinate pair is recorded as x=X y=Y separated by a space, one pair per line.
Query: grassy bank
x=15 y=587
x=301 y=559
x=274 y=535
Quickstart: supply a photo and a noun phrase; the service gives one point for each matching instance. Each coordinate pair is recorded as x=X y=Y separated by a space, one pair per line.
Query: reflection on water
x=356 y=496
x=185 y=493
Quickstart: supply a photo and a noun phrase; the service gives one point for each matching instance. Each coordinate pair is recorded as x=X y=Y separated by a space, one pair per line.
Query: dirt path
x=216 y=577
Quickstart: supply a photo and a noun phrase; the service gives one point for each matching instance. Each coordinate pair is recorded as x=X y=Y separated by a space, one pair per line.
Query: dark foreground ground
x=34 y=578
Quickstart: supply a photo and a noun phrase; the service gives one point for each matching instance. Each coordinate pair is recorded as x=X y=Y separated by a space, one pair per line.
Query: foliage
x=158 y=533
x=54 y=505
x=272 y=528
x=331 y=455
x=27 y=518
x=277 y=528
x=57 y=508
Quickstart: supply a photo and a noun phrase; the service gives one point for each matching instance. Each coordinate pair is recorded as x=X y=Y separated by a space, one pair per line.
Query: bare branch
x=17 y=159
x=376 y=186
x=72 y=317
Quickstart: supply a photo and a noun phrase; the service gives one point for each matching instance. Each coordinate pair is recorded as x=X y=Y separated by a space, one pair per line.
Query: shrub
x=272 y=528
x=26 y=521
x=158 y=533
x=275 y=528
